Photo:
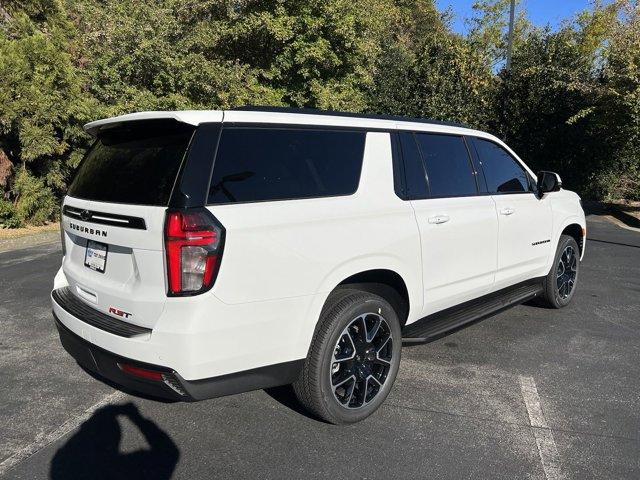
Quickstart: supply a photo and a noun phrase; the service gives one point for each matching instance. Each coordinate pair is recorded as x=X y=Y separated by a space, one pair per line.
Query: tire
x=358 y=338
x=559 y=290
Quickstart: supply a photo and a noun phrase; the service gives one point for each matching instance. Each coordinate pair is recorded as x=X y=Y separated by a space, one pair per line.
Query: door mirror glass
x=548 y=182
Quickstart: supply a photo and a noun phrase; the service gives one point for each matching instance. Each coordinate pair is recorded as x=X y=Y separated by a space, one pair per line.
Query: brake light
x=62 y=236
x=193 y=243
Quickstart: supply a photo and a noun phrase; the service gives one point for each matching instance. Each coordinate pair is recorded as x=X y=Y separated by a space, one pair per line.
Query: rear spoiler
x=191 y=117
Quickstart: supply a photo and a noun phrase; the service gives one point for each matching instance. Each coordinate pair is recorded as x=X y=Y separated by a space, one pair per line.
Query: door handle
x=507 y=211
x=439 y=219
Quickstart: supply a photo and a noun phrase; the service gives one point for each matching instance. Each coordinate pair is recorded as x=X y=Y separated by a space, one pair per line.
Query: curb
x=623 y=216
x=611 y=209
x=27 y=241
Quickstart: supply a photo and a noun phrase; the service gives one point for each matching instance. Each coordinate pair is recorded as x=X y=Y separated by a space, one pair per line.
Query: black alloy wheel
x=361 y=360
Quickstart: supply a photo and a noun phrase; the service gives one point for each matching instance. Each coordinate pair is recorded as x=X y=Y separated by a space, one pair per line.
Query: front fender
x=557 y=232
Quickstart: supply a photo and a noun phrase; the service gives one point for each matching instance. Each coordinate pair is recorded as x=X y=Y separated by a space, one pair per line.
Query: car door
x=524 y=220
x=457 y=225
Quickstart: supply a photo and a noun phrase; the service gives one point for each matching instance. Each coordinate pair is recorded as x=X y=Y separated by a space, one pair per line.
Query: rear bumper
x=106 y=365
x=198 y=337
x=102 y=344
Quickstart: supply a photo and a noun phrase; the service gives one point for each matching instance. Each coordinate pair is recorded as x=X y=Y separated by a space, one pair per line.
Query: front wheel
x=353 y=359
x=560 y=283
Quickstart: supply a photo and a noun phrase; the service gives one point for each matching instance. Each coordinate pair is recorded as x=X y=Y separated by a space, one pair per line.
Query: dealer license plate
x=96 y=256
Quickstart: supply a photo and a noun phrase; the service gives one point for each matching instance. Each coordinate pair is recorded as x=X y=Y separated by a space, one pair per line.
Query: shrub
x=8 y=216
x=36 y=202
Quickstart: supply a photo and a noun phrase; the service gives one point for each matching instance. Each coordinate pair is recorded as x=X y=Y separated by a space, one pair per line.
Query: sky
x=540 y=12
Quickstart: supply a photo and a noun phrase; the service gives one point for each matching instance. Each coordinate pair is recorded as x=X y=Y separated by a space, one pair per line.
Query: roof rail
x=335 y=113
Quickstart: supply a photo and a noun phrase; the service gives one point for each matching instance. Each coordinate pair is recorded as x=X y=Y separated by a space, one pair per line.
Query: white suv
x=208 y=253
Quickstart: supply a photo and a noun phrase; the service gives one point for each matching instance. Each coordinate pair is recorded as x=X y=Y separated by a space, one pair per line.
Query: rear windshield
x=135 y=163
x=262 y=164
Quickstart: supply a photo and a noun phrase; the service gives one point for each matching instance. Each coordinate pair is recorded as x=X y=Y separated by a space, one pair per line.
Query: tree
x=41 y=104
x=556 y=109
x=425 y=70
x=619 y=119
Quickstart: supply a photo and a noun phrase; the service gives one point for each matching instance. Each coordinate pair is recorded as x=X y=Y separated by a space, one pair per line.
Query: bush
x=36 y=202
x=8 y=216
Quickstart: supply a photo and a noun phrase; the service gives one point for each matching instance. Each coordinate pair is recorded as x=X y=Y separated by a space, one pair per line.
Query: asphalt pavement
x=530 y=393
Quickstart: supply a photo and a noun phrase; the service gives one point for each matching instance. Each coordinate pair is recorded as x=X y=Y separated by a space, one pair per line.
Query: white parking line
x=544 y=437
x=45 y=439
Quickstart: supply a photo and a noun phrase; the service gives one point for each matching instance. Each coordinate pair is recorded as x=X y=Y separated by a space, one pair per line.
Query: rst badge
x=120 y=313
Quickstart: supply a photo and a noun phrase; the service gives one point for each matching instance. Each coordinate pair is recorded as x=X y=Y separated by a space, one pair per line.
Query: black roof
x=314 y=111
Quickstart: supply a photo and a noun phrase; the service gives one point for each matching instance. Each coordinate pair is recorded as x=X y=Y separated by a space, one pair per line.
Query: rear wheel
x=353 y=359
x=560 y=283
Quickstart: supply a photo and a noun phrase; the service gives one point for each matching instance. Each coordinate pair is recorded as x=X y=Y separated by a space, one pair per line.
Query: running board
x=439 y=323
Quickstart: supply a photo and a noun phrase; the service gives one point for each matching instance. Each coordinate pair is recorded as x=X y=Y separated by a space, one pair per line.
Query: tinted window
x=135 y=164
x=448 y=166
x=501 y=171
x=414 y=174
x=256 y=164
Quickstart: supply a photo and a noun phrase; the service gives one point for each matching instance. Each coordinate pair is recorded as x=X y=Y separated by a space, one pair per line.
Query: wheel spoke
x=352 y=347
x=344 y=380
x=340 y=360
x=382 y=361
x=371 y=377
x=384 y=343
x=347 y=385
x=351 y=389
x=560 y=283
x=340 y=377
x=358 y=329
x=359 y=393
x=561 y=269
x=366 y=390
x=375 y=384
x=371 y=332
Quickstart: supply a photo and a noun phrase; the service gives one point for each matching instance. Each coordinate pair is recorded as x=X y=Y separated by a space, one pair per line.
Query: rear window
x=261 y=164
x=415 y=178
x=135 y=163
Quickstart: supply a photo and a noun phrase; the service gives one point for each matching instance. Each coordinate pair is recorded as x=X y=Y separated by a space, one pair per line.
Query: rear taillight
x=62 y=239
x=193 y=242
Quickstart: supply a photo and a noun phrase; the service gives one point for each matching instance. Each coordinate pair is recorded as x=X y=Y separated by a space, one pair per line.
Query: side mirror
x=548 y=182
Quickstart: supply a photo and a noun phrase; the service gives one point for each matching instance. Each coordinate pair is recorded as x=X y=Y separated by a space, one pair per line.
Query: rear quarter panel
x=284 y=249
